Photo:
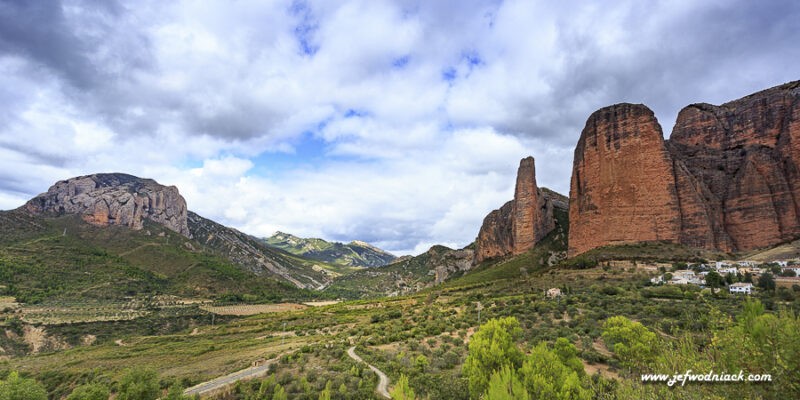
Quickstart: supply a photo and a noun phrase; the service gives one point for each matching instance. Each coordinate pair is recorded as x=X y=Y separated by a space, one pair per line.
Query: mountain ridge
x=354 y=254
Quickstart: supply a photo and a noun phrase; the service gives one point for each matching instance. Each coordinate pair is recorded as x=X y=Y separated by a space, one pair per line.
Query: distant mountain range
x=354 y=254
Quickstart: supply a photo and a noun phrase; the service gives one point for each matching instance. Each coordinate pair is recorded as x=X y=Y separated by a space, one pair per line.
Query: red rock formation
x=521 y=223
x=623 y=186
x=743 y=155
x=728 y=178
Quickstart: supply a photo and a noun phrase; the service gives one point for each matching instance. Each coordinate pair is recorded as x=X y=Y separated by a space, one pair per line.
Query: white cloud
x=416 y=113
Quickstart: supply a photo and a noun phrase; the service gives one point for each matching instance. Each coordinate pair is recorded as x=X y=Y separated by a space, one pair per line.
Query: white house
x=727 y=270
x=747 y=263
x=741 y=287
x=553 y=293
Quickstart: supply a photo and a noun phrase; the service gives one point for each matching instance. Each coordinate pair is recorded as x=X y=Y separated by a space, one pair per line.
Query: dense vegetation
x=64 y=258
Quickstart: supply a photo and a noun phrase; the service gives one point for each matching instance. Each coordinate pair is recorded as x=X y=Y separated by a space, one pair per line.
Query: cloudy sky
x=400 y=123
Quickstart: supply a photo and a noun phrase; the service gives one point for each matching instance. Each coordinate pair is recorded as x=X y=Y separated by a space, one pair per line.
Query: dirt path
x=125 y=253
x=223 y=381
x=383 y=380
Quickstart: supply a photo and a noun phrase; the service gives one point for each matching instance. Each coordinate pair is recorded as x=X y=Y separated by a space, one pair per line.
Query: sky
x=399 y=123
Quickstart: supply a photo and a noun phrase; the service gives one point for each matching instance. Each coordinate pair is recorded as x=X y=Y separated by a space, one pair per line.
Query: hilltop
x=353 y=254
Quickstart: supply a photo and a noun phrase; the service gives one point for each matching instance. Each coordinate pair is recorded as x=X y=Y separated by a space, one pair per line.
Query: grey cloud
x=712 y=53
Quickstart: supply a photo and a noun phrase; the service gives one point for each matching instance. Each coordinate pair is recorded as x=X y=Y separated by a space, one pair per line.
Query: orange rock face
x=728 y=178
x=521 y=223
x=743 y=156
x=623 y=187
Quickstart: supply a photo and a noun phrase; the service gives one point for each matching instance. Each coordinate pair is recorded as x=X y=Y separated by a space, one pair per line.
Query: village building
x=741 y=287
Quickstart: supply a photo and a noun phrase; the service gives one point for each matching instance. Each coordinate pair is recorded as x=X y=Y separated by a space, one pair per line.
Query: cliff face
x=728 y=178
x=114 y=199
x=521 y=223
x=623 y=187
x=745 y=156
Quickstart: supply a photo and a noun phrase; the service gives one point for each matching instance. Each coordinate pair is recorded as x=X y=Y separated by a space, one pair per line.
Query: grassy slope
x=41 y=262
x=377 y=281
x=352 y=255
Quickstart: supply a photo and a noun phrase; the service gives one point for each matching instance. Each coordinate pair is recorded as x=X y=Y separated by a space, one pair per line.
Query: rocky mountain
x=727 y=179
x=105 y=200
x=354 y=254
x=251 y=254
x=114 y=199
x=406 y=274
x=520 y=223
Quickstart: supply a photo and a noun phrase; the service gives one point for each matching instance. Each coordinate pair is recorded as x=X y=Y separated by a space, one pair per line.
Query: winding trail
x=383 y=380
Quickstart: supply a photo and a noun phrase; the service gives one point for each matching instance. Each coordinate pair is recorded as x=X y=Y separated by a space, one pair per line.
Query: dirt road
x=383 y=380
x=223 y=381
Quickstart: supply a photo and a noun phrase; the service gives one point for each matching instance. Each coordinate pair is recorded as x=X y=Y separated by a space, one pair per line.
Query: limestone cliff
x=519 y=224
x=114 y=199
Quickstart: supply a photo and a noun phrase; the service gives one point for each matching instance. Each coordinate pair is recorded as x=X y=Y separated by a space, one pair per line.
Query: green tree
x=16 y=387
x=421 y=362
x=714 y=280
x=492 y=347
x=505 y=385
x=139 y=384
x=546 y=376
x=766 y=282
x=175 y=392
x=279 y=393
x=401 y=390
x=632 y=342
x=568 y=355
x=90 y=391
x=325 y=394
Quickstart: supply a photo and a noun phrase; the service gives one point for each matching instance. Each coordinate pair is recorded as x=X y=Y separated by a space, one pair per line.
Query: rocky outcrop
x=623 y=187
x=727 y=179
x=745 y=158
x=447 y=262
x=519 y=224
x=114 y=199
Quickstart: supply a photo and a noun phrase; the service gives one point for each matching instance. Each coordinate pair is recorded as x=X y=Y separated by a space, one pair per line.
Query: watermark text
x=691 y=377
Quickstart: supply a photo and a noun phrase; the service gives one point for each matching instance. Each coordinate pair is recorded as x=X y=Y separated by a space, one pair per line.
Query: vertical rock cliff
x=519 y=224
x=727 y=179
x=623 y=187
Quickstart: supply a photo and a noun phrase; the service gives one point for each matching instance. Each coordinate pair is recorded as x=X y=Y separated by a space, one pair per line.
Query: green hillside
x=354 y=254
x=65 y=258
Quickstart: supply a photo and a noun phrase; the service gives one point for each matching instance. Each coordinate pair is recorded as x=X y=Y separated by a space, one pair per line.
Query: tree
x=492 y=347
x=505 y=385
x=634 y=345
x=279 y=393
x=714 y=280
x=401 y=391
x=325 y=394
x=91 y=391
x=766 y=282
x=546 y=376
x=16 y=387
x=175 y=392
x=788 y=273
x=729 y=278
x=421 y=363
x=139 y=384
